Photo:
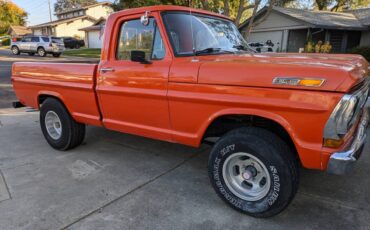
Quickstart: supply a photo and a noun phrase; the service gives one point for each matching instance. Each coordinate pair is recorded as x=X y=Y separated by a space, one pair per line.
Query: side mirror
x=139 y=56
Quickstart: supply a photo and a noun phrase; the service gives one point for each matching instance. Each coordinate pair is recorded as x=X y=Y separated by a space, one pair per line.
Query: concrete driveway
x=119 y=181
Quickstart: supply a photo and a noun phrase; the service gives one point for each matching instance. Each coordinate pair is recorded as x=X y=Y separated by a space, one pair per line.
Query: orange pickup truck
x=187 y=76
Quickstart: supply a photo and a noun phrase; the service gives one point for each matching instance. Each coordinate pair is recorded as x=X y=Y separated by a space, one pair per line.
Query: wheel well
x=224 y=124
x=15 y=46
x=40 y=47
x=41 y=98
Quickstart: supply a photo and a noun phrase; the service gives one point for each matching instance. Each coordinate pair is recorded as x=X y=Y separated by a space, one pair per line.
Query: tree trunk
x=226 y=8
x=205 y=4
x=251 y=21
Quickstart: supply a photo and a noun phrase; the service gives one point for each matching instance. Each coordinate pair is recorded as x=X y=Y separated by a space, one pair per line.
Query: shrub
x=363 y=50
x=5 y=42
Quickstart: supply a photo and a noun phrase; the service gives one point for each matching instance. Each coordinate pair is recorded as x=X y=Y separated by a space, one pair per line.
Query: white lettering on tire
x=227 y=149
x=276 y=185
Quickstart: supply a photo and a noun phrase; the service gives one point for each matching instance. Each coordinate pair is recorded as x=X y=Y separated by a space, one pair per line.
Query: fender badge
x=294 y=81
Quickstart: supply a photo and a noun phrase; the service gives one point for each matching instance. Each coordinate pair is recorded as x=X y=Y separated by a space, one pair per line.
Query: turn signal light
x=311 y=82
x=331 y=143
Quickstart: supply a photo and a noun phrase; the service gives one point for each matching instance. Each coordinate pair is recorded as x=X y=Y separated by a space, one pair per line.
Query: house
x=94 y=34
x=290 y=29
x=19 y=31
x=69 y=22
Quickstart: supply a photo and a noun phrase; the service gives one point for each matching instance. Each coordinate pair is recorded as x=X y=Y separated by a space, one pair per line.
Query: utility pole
x=49 y=10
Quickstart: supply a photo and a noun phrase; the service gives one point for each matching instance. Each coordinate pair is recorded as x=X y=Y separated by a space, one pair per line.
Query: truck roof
x=167 y=8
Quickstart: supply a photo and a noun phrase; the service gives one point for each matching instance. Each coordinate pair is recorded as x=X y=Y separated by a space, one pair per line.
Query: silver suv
x=42 y=45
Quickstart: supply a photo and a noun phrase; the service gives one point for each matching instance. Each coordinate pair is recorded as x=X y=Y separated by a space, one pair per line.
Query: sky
x=38 y=10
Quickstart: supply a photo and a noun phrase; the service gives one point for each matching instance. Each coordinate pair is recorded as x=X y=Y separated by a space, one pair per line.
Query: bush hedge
x=5 y=42
x=363 y=50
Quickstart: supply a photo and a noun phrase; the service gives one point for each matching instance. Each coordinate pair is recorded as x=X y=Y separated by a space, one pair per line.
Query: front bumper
x=342 y=162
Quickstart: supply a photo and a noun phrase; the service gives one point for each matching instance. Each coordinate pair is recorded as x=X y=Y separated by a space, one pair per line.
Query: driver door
x=132 y=95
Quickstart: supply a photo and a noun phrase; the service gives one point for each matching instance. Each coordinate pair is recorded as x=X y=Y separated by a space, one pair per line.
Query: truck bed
x=72 y=82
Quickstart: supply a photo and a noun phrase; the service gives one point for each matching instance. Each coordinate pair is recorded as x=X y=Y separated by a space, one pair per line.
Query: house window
x=81 y=12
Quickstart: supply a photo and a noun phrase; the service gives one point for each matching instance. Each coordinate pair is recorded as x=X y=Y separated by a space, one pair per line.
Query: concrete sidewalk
x=119 y=181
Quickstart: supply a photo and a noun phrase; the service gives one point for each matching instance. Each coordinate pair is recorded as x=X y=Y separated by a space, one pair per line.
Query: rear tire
x=41 y=52
x=15 y=50
x=58 y=127
x=254 y=171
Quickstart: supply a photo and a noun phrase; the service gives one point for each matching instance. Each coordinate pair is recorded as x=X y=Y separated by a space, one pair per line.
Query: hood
x=340 y=71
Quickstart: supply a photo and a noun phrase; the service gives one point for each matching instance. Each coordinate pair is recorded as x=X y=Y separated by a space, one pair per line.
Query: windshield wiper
x=211 y=50
x=243 y=47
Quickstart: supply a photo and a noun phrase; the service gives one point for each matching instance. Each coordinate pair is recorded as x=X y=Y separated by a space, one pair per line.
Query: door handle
x=105 y=70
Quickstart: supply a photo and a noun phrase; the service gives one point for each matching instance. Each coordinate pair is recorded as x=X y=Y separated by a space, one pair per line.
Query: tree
x=340 y=5
x=11 y=14
x=239 y=10
x=62 y=5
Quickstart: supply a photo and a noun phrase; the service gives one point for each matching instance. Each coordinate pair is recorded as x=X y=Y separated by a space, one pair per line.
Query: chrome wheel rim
x=53 y=125
x=15 y=50
x=246 y=176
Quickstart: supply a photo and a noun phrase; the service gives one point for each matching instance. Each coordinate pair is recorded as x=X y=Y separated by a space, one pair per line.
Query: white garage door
x=276 y=38
x=94 y=39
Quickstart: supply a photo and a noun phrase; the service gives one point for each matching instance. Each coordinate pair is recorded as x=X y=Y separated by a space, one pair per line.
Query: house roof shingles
x=61 y=21
x=20 y=30
x=97 y=26
x=363 y=15
x=350 y=20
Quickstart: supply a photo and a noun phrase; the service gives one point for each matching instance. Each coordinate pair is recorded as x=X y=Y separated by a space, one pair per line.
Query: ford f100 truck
x=187 y=76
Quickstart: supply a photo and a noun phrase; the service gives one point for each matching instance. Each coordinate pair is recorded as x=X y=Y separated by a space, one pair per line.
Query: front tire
x=254 y=171
x=15 y=50
x=58 y=127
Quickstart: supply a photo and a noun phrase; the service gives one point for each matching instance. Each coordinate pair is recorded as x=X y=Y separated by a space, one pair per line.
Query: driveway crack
x=4 y=189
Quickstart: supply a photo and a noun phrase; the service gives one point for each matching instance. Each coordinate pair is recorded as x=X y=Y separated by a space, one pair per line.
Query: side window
x=45 y=39
x=35 y=39
x=28 y=39
x=158 y=46
x=135 y=36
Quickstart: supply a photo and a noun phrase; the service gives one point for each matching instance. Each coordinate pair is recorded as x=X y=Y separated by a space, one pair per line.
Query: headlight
x=344 y=116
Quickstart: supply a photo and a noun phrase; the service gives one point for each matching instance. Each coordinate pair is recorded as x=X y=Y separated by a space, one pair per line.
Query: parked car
x=73 y=43
x=42 y=45
x=167 y=72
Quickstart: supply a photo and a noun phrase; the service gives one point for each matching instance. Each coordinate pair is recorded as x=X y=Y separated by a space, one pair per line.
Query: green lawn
x=83 y=52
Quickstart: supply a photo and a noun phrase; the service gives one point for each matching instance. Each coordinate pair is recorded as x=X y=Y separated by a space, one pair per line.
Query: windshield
x=193 y=34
